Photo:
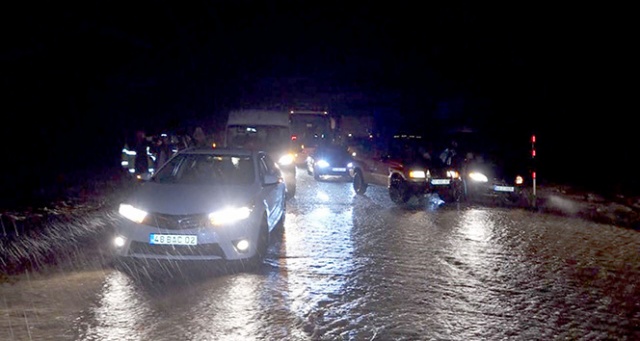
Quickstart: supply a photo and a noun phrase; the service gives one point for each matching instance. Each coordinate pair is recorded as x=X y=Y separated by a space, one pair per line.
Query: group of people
x=151 y=152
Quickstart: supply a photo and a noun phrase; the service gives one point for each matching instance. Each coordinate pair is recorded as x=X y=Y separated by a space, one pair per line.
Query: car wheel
x=291 y=191
x=262 y=244
x=280 y=224
x=512 y=199
x=398 y=191
x=455 y=194
x=359 y=185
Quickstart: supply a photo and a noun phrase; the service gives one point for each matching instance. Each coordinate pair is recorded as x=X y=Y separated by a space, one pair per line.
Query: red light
x=293 y=137
x=533 y=175
x=533 y=139
x=533 y=153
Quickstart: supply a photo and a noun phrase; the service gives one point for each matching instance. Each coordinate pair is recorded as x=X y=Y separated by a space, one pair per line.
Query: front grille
x=176 y=222
x=212 y=249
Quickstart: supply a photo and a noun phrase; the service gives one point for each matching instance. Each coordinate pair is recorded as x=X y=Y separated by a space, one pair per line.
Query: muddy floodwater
x=353 y=267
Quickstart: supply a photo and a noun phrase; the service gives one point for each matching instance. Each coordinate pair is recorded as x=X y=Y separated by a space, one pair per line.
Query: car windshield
x=332 y=150
x=258 y=136
x=207 y=169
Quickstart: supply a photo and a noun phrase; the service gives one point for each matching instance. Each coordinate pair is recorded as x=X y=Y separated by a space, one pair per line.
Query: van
x=268 y=130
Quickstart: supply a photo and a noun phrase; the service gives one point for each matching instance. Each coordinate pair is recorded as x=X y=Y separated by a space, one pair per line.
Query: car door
x=272 y=194
x=366 y=158
x=379 y=167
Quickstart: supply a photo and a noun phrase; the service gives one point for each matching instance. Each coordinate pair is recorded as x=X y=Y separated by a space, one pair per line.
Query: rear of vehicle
x=265 y=130
x=202 y=206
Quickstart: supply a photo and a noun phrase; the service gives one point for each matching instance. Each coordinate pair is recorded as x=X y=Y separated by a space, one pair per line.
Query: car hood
x=188 y=199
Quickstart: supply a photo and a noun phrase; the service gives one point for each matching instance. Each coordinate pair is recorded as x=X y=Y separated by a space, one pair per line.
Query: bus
x=309 y=129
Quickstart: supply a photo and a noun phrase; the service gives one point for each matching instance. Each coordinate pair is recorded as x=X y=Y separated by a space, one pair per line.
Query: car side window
x=267 y=165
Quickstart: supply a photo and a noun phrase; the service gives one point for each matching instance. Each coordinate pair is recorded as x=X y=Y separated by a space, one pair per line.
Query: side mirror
x=270 y=179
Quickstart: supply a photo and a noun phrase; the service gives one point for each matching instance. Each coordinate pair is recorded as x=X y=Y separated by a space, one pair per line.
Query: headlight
x=452 y=174
x=417 y=174
x=229 y=215
x=478 y=177
x=132 y=213
x=285 y=160
x=350 y=165
x=519 y=180
x=322 y=164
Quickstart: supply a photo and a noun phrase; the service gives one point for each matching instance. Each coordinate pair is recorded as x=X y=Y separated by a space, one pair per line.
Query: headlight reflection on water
x=318 y=253
x=475 y=225
x=233 y=313
x=323 y=196
x=474 y=271
x=120 y=315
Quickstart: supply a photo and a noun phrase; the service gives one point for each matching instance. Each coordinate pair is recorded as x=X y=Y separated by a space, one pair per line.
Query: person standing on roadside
x=199 y=138
x=164 y=150
x=450 y=154
x=141 y=162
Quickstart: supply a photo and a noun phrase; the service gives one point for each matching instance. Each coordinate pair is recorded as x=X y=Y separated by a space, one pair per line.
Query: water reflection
x=243 y=306
x=121 y=314
x=323 y=196
x=475 y=225
x=318 y=258
x=361 y=268
x=231 y=311
x=472 y=303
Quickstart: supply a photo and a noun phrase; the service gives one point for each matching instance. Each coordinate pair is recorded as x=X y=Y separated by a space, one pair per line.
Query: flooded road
x=353 y=267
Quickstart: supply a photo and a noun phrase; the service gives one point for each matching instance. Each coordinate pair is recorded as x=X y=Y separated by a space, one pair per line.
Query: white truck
x=309 y=129
x=268 y=130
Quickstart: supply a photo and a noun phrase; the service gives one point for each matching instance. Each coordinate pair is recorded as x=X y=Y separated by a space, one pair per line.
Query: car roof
x=220 y=151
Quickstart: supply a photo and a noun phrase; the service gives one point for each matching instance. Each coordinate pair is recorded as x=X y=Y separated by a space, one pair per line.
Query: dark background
x=79 y=78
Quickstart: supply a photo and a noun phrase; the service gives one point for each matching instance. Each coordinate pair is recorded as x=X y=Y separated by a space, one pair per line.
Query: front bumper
x=332 y=171
x=492 y=189
x=446 y=187
x=213 y=243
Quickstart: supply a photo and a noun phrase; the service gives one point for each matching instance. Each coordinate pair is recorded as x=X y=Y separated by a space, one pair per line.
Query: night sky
x=79 y=79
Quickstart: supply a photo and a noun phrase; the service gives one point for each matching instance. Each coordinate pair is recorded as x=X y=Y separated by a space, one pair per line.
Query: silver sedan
x=206 y=204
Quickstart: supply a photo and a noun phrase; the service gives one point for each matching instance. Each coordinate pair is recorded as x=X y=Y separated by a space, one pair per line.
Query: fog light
x=119 y=241
x=242 y=245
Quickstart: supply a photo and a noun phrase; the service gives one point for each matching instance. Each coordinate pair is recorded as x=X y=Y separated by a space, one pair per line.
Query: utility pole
x=533 y=168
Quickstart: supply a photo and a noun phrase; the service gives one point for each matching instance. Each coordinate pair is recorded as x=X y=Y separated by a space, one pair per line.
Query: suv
x=400 y=164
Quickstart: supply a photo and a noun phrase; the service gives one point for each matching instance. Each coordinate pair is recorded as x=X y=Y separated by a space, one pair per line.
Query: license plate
x=172 y=239
x=339 y=169
x=440 y=181
x=504 y=188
